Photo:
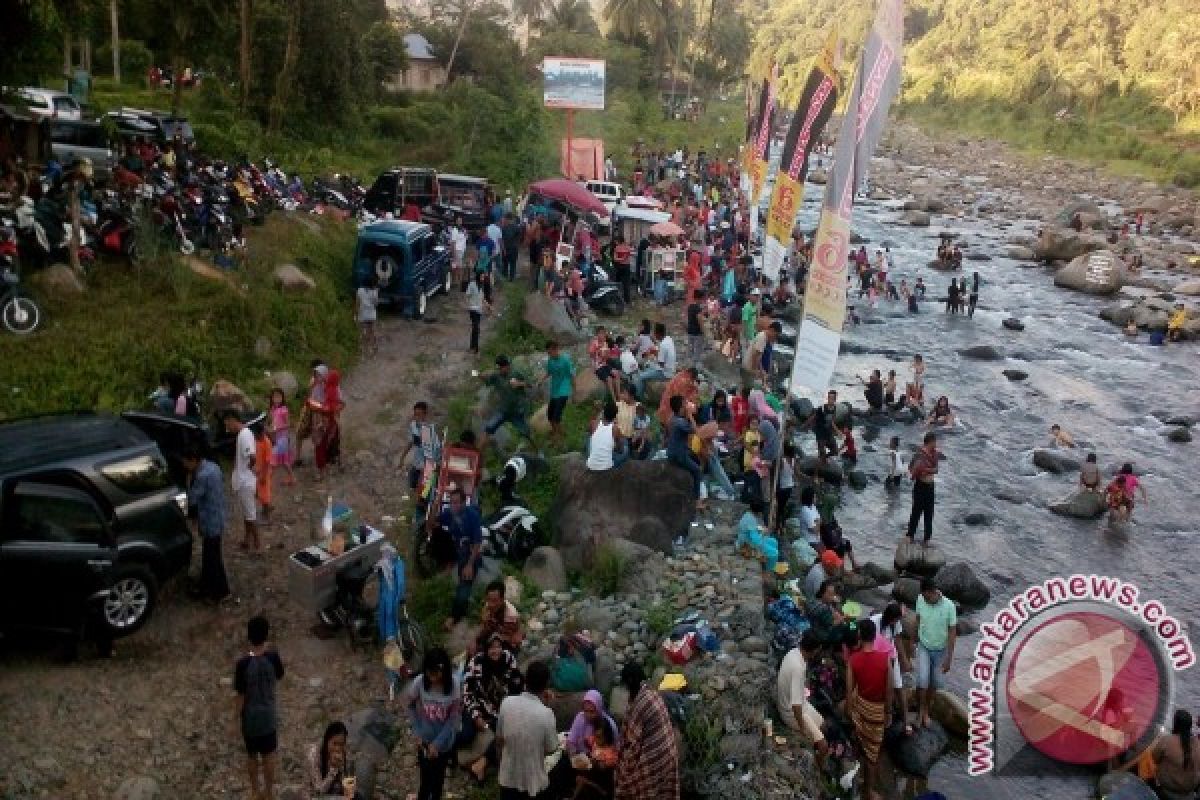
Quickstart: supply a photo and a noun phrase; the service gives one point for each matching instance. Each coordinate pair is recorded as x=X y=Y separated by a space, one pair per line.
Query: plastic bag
x=681 y=650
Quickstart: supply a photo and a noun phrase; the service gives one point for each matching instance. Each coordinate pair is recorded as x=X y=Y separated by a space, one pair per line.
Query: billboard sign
x=573 y=83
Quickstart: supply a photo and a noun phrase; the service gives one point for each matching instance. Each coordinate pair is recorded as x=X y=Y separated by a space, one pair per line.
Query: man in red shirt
x=869 y=700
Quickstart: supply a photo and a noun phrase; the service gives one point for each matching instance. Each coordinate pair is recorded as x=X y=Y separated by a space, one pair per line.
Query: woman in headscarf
x=684 y=383
x=327 y=434
x=316 y=396
x=492 y=676
x=593 y=745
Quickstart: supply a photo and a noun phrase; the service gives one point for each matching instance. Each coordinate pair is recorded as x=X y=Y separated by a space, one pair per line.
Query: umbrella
x=666 y=229
x=570 y=193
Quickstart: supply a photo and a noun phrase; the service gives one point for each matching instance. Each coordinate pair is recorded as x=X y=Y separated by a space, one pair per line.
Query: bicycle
x=410 y=643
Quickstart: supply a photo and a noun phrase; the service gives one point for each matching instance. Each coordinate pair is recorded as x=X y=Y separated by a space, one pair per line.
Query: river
x=1084 y=375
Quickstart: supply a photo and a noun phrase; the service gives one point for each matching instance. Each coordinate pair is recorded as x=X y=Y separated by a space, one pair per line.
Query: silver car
x=78 y=140
x=51 y=103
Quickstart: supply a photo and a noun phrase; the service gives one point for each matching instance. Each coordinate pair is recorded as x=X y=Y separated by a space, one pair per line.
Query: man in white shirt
x=497 y=236
x=791 y=696
x=664 y=360
x=243 y=480
x=458 y=249
x=525 y=735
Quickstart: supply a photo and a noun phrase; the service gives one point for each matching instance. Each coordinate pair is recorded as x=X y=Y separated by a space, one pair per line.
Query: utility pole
x=116 y=41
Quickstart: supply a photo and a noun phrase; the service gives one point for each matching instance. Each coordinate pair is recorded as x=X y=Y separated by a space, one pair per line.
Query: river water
x=1084 y=375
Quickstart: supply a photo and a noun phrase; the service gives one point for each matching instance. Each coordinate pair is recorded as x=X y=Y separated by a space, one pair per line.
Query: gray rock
x=917 y=219
x=1178 y=434
x=551 y=319
x=1020 y=253
x=915 y=557
x=1100 y=272
x=950 y=712
x=856 y=479
x=1123 y=786
x=906 y=589
x=977 y=518
x=960 y=583
x=138 y=788
x=741 y=748
x=290 y=278
x=1015 y=374
x=1054 y=462
x=226 y=396
x=1117 y=314
x=1081 y=505
x=1059 y=244
x=916 y=754
x=286 y=381
x=545 y=569
x=983 y=352
x=753 y=644
x=877 y=573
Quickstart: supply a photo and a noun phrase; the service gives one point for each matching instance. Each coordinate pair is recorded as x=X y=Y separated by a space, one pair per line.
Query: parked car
x=161 y=126
x=611 y=194
x=399 y=187
x=408 y=261
x=51 y=103
x=92 y=525
x=464 y=197
x=71 y=140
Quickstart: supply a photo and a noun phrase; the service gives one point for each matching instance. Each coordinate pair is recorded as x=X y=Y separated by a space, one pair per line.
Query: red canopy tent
x=570 y=193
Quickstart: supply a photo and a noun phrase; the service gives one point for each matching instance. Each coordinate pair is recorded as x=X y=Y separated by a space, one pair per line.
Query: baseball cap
x=831 y=559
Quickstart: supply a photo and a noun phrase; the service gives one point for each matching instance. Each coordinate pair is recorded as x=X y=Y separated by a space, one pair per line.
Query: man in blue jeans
x=679 y=433
x=462 y=523
x=937 y=631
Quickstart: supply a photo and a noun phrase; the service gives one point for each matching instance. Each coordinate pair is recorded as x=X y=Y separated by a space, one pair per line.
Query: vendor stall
x=635 y=223
x=341 y=544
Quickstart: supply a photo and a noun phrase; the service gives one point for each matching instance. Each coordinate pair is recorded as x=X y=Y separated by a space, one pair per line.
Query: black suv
x=92 y=523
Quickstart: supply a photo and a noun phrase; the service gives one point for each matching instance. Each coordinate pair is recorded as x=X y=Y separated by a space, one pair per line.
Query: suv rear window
x=65 y=104
x=140 y=475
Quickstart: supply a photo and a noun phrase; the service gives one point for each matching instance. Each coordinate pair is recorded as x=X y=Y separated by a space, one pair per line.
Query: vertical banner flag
x=754 y=114
x=762 y=141
x=812 y=112
x=866 y=112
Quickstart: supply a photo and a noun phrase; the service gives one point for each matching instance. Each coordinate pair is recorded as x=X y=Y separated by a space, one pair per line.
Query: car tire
x=130 y=602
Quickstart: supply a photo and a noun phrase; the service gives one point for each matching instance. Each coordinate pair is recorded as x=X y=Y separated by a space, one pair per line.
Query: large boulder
x=57 y=280
x=1123 y=786
x=918 y=558
x=139 y=787
x=226 y=396
x=551 y=318
x=1190 y=288
x=1099 y=272
x=642 y=569
x=1019 y=252
x=917 y=219
x=373 y=732
x=830 y=472
x=587 y=386
x=290 y=278
x=285 y=381
x=1117 y=314
x=1063 y=244
x=647 y=500
x=982 y=352
x=544 y=568
x=906 y=590
x=1081 y=505
x=1054 y=462
x=960 y=583
x=916 y=754
x=950 y=712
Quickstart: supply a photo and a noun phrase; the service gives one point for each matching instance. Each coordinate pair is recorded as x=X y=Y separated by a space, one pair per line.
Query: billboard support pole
x=570 y=128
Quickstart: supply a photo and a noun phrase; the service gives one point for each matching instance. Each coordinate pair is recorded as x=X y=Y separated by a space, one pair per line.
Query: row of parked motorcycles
x=134 y=215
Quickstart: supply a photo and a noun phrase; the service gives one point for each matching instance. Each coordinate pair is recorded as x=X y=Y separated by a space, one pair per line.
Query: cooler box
x=312 y=578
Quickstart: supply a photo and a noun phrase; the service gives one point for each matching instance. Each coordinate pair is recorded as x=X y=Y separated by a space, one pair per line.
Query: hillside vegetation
x=1127 y=77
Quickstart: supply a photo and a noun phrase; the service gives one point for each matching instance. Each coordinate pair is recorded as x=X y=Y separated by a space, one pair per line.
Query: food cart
x=313 y=571
x=663 y=262
x=635 y=223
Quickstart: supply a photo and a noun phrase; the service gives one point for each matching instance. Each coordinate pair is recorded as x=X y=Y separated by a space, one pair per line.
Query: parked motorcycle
x=19 y=313
x=603 y=294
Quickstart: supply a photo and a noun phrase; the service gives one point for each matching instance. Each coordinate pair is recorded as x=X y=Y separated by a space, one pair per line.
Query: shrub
x=136 y=59
x=608 y=569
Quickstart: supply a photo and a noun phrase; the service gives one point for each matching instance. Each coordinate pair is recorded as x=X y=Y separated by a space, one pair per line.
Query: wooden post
x=73 y=241
x=116 y=41
x=570 y=128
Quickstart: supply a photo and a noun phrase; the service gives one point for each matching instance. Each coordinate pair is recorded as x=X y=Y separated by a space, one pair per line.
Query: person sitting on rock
x=1176 y=322
x=1089 y=474
x=833 y=540
x=500 y=617
x=491 y=676
x=825 y=614
x=1059 y=437
x=874 y=390
x=791 y=696
x=941 y=416
x=827 y=567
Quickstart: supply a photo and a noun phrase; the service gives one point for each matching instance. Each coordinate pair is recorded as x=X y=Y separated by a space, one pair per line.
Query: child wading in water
x=280 y=427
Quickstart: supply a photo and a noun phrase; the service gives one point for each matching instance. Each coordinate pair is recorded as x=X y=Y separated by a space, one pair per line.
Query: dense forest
x=1063 y=53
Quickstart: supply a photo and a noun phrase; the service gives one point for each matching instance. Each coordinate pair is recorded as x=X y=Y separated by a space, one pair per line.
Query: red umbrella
x=666 y=229
x=570 y=193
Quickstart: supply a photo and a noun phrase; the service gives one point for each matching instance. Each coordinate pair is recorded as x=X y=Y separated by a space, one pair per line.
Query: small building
x=424 y=73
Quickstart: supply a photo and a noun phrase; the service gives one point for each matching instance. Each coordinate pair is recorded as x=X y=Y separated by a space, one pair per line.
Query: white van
x=51 y=103
x=611 y=194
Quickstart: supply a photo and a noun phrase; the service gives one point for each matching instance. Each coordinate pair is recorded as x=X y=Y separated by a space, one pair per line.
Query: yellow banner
x=785 y=203
x=758 y=176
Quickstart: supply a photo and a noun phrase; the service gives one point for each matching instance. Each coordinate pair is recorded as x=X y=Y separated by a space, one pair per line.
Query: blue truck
x=409 y=262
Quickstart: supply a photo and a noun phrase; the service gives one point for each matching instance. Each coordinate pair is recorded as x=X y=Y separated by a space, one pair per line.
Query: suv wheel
x=130 y=601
